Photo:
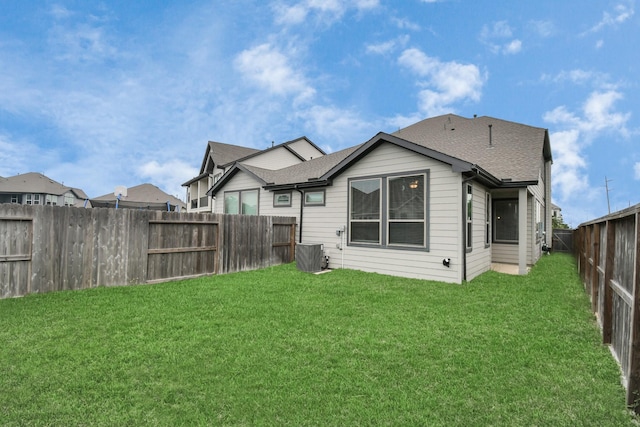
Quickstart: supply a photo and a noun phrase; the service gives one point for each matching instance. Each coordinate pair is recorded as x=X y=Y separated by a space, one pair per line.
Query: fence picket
x=49 y=248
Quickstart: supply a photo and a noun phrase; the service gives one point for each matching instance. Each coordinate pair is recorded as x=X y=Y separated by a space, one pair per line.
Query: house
x=556 y=212
x=441 y=199
x=143 y=196
x=219 y=157
x=34 y=188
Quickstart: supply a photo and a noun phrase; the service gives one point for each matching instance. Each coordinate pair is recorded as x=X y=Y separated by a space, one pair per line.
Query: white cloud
x=445 y=83
x=597 y=116
x=168 y=175
x=543 y=28
x=388 y=46
x=325 y=11
x=269 y=68
x=621 y=13
x=405 y=24
x=512 y=47
x=342 y=127
x=599 y=44
x=496 y=36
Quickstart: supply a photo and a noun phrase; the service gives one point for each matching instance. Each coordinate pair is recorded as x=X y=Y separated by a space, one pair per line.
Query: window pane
x=314 y=198
x=506 y=220
x=231 y=203
x=365 y=199
x=283 y=199
x=406 y=233
x=250 y=202
x=365 y=232
x=406 y=197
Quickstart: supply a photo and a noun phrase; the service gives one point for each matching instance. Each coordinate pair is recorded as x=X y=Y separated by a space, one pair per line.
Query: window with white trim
x=33 y=199
x=389 y=211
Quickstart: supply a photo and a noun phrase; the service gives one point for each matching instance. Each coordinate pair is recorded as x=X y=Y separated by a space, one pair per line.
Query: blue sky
x=99 y=94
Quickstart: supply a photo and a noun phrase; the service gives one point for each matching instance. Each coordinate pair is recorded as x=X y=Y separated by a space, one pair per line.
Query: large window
x=364 y=215
x=241 y=202
x=505 y=226
x=389 y=211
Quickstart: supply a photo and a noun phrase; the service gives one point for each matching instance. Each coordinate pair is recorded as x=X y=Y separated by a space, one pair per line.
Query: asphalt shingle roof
x=34 y=182
x=507 y=150
x=143 y=193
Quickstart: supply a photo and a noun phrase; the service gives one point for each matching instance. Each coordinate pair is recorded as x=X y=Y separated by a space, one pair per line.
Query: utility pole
x=606 y=185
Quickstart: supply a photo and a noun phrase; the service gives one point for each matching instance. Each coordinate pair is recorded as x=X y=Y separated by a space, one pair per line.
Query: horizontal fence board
x=50 y=248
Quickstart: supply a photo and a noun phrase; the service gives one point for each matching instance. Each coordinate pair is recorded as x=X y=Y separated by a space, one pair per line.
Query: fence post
x=633 y=383
x=607 y=308
x=292 y=242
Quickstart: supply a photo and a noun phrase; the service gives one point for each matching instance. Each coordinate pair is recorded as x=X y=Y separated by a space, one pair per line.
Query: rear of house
x=414 y=203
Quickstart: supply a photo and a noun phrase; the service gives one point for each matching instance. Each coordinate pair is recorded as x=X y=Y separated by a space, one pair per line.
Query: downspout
x=464 y=222
x=301 y=211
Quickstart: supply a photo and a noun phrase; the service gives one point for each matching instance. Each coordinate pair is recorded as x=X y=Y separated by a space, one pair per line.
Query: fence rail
x=607 y=251
x=49 y=248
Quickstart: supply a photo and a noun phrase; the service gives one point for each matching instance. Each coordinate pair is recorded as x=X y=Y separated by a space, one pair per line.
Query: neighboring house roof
x=505 y=149
x=140 y=196
x=225 y=155
x=37 y=183
x=510 y=156
x=303 y=173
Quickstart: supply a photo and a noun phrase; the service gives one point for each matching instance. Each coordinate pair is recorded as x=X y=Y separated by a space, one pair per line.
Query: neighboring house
x=556 y=212
x=219 y=158
x=441 y=199
x=143 y=196
x=34 y=188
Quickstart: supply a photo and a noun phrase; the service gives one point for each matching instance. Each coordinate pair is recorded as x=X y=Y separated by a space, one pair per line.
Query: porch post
x=522 y=231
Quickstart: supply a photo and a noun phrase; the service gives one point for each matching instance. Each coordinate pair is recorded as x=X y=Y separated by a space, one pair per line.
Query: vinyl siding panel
x=305 y=149
x=479 y=259
x=273 y=159
x=240 y=181
x=504 y=253
x=444 y=210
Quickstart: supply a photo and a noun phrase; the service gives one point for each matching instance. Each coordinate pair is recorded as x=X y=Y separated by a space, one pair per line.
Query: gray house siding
x=444 y=219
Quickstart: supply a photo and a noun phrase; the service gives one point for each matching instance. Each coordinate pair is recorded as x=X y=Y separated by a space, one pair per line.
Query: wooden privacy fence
x=607 y=251
x=49 y=248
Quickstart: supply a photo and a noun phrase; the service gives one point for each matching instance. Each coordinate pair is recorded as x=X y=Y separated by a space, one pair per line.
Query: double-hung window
x=364 y=212
x=389 y=211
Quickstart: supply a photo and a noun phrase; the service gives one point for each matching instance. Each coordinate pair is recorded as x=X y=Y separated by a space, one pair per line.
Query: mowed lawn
x=283 y=347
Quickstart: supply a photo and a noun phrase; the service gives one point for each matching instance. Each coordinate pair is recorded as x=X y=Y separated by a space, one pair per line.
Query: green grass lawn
x=283 y=347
